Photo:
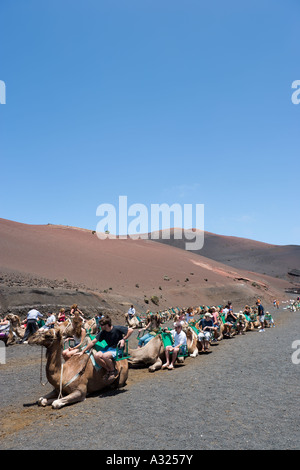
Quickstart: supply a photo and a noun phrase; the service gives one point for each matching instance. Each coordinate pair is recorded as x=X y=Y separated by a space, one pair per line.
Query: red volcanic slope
x=58 y=252
x=242 y=253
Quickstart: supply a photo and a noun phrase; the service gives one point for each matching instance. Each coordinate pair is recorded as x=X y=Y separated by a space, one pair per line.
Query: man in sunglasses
x=114 y=336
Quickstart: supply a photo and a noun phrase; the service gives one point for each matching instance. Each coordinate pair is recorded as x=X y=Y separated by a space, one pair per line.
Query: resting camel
x=74 y=379
x=16 y=331
x=193 y=345
x=153 y=353
x=66 y=327
x=134 y=321
x=91 y=326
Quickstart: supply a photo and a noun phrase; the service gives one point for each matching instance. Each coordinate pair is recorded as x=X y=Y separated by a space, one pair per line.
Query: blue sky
x=162 y=101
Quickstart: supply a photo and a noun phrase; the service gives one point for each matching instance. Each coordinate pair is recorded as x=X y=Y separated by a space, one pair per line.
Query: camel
x=16 y=331
x=242 y=324
x=74 y=379
x=173 y=312
x=193 y=345
x=66 y=327
x=134 y=321
x=152 y=353
x=253 y=319
x=91 y=326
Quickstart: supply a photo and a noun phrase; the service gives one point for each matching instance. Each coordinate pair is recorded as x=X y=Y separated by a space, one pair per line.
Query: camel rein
x=61 y=386
x=41 y=369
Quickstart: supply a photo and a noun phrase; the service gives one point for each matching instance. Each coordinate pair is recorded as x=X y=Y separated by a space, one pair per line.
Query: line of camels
x=75 y=378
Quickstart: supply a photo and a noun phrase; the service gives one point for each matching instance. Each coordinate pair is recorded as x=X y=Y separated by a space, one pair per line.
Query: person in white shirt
x=4 y=328
x=225 y=310
x=131 y=312
x=31 y=323
x=179 y=337
x=50 y=322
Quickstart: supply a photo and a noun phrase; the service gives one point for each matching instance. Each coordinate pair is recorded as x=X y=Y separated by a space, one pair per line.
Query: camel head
x=189 y=332
x=13 y=319
x=192 y=340
x=46 y=338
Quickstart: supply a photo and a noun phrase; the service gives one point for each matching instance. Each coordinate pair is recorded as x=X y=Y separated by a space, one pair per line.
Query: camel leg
x=195 y=353
x=73 y=397
x=11 y=339
x=48 y=399
x=157 y=365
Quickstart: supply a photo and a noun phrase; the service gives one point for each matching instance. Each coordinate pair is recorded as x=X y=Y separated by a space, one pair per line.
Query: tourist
x=61 y=317
x=78 y=339
x=180 y=318
x=115 y=336
x=241 y=323
x=230 y=320
x=189 y=314
x=151 y=329
x=261 y=315
x=75 y=309
x=98 y=317
x=131 y=312
x=206 y=327
x=31 y=323
x=4 y=328
x=270 y=319
x=225 y=310
x=216 y=322
x=50 y=322
x=179 y=338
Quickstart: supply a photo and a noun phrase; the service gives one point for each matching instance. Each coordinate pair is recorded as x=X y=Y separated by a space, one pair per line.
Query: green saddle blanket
x=100 y=345
x=167 y=339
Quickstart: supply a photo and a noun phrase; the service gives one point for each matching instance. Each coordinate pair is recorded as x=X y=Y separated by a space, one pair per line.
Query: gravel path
x=242 y=395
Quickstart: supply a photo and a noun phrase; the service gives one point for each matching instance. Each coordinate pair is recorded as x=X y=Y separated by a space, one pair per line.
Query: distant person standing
x=31 y=326
x=261 y=315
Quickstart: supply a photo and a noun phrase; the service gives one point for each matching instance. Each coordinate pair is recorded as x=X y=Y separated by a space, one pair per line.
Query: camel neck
x=53 y=366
